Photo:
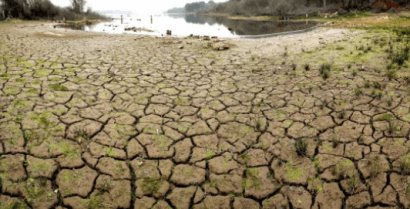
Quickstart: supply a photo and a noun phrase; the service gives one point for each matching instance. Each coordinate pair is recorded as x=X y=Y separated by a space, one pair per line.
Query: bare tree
x=78 y=5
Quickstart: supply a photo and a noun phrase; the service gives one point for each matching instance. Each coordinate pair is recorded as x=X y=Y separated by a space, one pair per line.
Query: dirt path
x=93 y=120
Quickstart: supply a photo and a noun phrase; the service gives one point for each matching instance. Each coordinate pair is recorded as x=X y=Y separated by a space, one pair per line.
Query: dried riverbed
x=93 y=120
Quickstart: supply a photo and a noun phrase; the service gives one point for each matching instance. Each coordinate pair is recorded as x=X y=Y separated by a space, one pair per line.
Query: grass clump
x=94 y=202
x=391 y=74
x=405 y=164
x=81 y=134
x=393 y=127
x=58 y=87
x=357 y=91
x=384 y=117
x=335 y=141
x=324 y=70
x=301 y=147
x=307 y=67
x=293 y=173
x=151 y=185
x=294 y=66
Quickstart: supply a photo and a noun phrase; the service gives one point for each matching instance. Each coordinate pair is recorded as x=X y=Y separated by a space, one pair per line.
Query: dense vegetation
x=45 y=9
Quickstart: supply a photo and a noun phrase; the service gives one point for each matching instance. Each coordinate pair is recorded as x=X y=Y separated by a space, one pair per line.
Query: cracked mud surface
x=103 y=121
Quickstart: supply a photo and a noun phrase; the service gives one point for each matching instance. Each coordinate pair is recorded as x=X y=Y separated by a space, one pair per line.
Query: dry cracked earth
x=103 y=121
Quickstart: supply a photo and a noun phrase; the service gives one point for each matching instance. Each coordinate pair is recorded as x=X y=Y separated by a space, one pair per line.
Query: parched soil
x=92 y=120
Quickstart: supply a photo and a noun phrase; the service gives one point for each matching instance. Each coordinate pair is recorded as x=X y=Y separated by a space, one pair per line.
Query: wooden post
x=151 y=19
x=121 y=19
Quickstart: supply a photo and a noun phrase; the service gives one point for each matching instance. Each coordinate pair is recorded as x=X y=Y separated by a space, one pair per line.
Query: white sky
x=137 y=6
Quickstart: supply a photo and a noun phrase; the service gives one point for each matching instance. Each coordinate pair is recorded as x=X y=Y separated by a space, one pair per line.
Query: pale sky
x=137 y=6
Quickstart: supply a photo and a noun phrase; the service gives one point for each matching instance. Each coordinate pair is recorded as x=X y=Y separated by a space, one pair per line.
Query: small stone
x=180 y=47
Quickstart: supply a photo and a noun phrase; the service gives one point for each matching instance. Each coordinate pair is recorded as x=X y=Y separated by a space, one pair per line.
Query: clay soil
x=90 y=120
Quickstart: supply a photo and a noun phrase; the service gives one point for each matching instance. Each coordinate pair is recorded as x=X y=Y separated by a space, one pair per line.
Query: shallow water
x=187 y=24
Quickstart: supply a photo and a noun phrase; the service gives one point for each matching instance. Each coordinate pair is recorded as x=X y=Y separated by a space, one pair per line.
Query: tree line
x=194 y=7
x=279 y=7
x=45 y=9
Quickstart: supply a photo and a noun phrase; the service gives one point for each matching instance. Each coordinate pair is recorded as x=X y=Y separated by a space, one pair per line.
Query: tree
x=16 y=8
x=78 y=5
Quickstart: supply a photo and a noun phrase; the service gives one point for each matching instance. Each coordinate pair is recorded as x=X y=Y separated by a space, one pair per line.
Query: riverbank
x=95 y=120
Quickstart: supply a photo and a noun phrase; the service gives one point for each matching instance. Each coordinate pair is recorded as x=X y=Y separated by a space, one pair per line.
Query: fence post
x=151 y=19
x=121 y=19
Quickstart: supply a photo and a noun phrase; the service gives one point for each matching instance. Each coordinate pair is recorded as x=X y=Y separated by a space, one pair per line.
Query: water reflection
x=186 y=24
x=249 y=27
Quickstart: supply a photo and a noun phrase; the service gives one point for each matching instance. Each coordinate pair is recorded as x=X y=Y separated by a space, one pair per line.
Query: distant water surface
x=186 y=24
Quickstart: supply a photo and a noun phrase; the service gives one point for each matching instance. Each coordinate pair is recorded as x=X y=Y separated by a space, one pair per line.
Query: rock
x=206 y=38
x=180 y=47
x=392 y=10
x=214 y=37
x=219 y=46
x=169 y=32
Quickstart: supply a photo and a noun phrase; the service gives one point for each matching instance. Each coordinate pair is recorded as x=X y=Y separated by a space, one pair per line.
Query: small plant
x=324 y=104
x=325 y=74
x=94 y=202
x=391 y=74
x=405 y=164
x=293 y=66
x=81 y=134
x=258 y=124
x=324 y=70
x=301 y=147
x=349 y=65
x=151 y=185
x=407 y=79
x=377 y=85
x=307 y=68
x=393 y=127
x=375 y=166
x=354 y=73
x=335 y=141
x=389 y=66
x=342 y=114
x=385 y=117
x=310 y=88
x=367 y=84
x=353 y=182
x=357 y=91
x=379 y=94
x=58 y=87
x=256 y=70
x=105 y=185
x=389 y=101
x=377 y=70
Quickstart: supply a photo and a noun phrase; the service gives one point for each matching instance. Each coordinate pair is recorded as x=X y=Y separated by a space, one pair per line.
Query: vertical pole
x=151 y=19
x=121 y=19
